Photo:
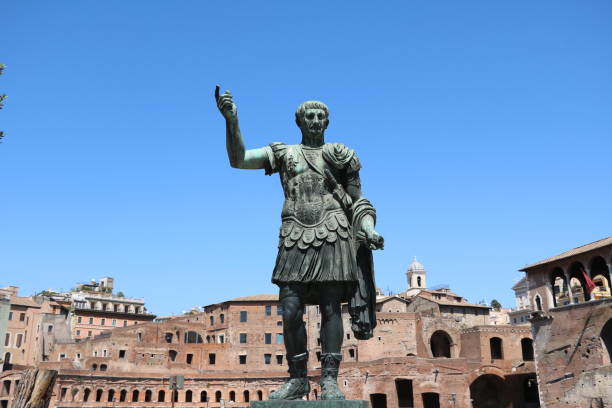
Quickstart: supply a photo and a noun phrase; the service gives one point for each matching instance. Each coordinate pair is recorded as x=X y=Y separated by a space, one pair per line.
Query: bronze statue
x=326 y=240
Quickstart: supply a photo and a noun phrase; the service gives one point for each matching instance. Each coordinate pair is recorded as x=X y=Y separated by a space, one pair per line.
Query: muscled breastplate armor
x=310 y=213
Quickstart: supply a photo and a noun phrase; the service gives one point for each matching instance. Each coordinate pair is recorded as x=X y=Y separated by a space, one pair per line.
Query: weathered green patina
x=325 y=243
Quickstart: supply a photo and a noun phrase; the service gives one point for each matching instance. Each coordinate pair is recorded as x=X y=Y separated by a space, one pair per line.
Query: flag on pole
x=589 y=283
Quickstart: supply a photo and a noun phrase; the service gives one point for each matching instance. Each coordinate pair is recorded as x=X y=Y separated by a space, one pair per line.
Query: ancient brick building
x=431 y=348
x=572 y=326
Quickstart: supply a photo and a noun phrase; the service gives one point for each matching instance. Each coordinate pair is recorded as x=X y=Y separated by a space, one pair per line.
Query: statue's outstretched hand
x=226 y=105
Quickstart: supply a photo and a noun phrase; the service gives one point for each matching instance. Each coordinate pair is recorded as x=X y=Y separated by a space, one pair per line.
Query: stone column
x=569 y=287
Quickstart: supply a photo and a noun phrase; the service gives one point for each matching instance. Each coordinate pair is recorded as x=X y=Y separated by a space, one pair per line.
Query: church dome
x=416 y=266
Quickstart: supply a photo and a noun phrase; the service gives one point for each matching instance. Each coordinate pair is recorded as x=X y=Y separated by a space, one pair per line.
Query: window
x=280 y=323
x=203 y=396
x=348 y=336
x=222 y=318
x=188 y=396
x=279 y=338
x=403 y=389
x=78 y=355
x=103 y=322
x=161 y=396
x=78 y=332
x=212 y=320
x=246 y=396
x=7 y=339
x=212 y=357
x=527 y=349
x=79 y=319
x=242 y=359
x=10 y=316
x=91 y=320
x=168 y=337
x=189 y=358
x=172 y=355
x=121 y=353
x=221 y=338
x=89 y=333
x=318 y=356
x=139 y=336
x=352 y=353
x=124 y=323
x=279 y=359
x=268 y=310
x=62 y=355
x=268 y=338
x=114 y=322
x=19 y=339
x=496 y=348
x=243 y=338
x=232 y=396
x=148 y=395
x=218 y=396
x=192 y=337
x=267 y=358
x=279 y=310
x=135 y=396
x=103 y=367
x=21 y=317
x=104 y=353
x=243 y=316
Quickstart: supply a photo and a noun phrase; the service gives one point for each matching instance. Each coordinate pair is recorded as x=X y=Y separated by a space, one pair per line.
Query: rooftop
x=576 y=251
x=256 y=298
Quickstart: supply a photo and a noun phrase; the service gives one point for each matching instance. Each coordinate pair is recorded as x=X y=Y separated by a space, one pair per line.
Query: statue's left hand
x=374 y=240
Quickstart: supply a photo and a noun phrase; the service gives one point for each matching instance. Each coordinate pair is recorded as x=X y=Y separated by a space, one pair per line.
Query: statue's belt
x=334 y=225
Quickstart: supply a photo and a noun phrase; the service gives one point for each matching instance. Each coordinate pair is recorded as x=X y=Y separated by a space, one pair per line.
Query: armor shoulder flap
x=341 y=157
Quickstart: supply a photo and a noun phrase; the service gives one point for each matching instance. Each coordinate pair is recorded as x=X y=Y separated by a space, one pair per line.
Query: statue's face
x=314 y=122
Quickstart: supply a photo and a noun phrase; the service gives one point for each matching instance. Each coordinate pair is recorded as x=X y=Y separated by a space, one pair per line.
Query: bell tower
x=416 y=275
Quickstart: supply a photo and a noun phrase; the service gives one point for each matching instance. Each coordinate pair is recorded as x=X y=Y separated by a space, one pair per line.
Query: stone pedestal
x=310 y=404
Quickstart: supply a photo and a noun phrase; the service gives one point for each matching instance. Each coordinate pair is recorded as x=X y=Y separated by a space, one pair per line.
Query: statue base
x=310 y=404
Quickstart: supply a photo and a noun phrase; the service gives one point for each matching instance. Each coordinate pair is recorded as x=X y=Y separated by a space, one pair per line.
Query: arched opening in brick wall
x=232 y=396
x=578 y=283
x=601 y=277
x=431 y=400
x=218 y=396
x=538 y=302
x=122 y=395
x=188 y=396
x=172 y=355
x=606 y=339
x=111 y=396
x=99 y=392
x=203 y=396
x=161 y=396
x=86 y=394
x=135 y=395
x=378 y=400
x=527 y=349
x=168 y=337
x=559 y=287
x=148 y=396
x=75 y=393
x=440 y=343
x=245 y=396
x=497 y=349
x=260 y=395
x=487 y=391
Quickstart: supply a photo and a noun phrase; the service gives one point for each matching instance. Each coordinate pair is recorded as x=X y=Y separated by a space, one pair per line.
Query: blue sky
x=483 y=128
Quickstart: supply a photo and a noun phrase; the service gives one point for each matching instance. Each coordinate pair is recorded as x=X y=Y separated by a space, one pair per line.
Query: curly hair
x=311 y=105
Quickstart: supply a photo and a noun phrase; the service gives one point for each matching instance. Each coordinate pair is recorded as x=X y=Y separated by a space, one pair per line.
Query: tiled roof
x=579 y=250
x=24 y=301
x=256 y=298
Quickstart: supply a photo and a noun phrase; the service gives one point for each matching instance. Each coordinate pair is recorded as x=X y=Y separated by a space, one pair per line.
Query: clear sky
x=484 y=130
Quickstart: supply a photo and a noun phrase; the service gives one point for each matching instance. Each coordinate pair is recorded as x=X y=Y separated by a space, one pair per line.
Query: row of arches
x=114 y=307
x=441 y=344
x=569 y=286
x=123 y=395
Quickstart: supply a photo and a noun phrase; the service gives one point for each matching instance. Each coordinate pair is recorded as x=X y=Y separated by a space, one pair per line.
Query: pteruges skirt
x=320 y=253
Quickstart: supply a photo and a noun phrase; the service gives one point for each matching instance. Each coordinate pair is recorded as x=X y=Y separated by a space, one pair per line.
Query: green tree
x=496 y=305
x=120 y=294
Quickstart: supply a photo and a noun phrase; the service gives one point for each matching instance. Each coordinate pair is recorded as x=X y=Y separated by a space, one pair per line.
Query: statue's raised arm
x=238 y=156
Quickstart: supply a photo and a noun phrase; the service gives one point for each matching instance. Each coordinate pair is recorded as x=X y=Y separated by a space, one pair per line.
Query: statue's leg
x=332 y=334
x=294 y=333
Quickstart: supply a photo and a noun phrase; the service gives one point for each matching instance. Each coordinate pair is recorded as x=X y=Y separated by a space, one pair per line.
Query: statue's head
x=312 y=117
